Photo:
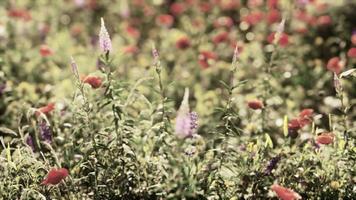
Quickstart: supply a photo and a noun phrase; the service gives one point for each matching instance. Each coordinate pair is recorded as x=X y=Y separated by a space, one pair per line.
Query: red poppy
x=46 y=109
x=183 y=43
x=94 y=81
x=283 y=41
x=335 y=65
x=177 y=8
x=273 y=16
x=55 y=176
x=294 y=125
x=325 y=138
x=45 y=51
x=205 y=58
x=19 y=14
x=165 y=20
x=285 y=193
x=255 y=104
x=352 y=53
x=221 y=37
x=305 y=117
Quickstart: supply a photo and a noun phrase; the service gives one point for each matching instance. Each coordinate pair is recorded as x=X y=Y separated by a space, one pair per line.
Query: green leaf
x=268 y=142
x=285 y=126
x=7 y=131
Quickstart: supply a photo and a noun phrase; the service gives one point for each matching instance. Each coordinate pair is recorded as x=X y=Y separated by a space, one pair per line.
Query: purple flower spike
x=186 y=122
x=2 y=88
x=29 y=142
x=272 y=164
x=45 y=132
x=104 y=38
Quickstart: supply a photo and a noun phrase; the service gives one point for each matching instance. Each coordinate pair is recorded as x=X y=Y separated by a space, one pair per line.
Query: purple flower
x=104 y=38
x=186 y=121
x=74 y=67
x=29 y=142
x=272 y=164
x=45 y=132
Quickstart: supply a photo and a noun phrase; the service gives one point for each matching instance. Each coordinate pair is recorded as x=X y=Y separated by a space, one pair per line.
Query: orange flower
x=55 y=176
x=45 y=109
x=94 y=81
x=325 y=138
x=285 y=193
x=255 y=104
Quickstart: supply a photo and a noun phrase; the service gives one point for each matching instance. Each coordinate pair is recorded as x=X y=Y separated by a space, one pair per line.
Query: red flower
x=221 y=37
x=19 y=14
x=94 y=81
x=228 y=4
x=283 y=41
x=305 y=117
x=272 y=3
x=46 y=109
x=294 y=125
x=45 y=51
x=285 y=193
x=253 y=18
x=324 y=20
x=273 y=16
x=205 y=7
x=255 y=104
x=177 y=8
x=183 y=43
x=205 y=58
x=131 y=49
x=55 y=176
x=335 y=65
x=133 y=32
x=165 y=20
x=352 y=53
x=223 y=22
x=325 y=138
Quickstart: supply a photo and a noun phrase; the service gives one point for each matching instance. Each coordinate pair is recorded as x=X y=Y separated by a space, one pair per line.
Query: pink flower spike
x=104 y=38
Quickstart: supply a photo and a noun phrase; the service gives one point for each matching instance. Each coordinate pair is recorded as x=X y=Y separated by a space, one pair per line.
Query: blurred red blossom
x=351 y=52
x=177 y=8
x=55 y=176
x=19 y=13
x=273 y=16
x=132 y=31
x=353 y=39
x=272 y=4
x=324 y=20
x=221 y=37
x=285 y=193
x=305 y=117
x=45 y=51
x=183 y=43
x=94 y=81
x=205 y=58
x=335 y=65
x=165 y=20
x=253 y=18
x=283 y=41
x=325 y=138
x=130 y=49
x=255 y=104
x=45 y=109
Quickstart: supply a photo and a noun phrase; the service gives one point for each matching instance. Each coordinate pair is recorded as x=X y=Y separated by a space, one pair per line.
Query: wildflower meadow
x=177 y=99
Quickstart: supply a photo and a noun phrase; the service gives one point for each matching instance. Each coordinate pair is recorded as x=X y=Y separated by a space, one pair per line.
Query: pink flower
x=46 y=109
x=324 y=20
x=283 y=41
x=45 y=51
x=335 y=65
x=351 y=52
x=186 y=121
x=177 y=8
x=325 y=138
x=94 y=81
x=223 y=22
x=183 y=43
x=221 y=37
x=273 y=16
x=205 y=58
